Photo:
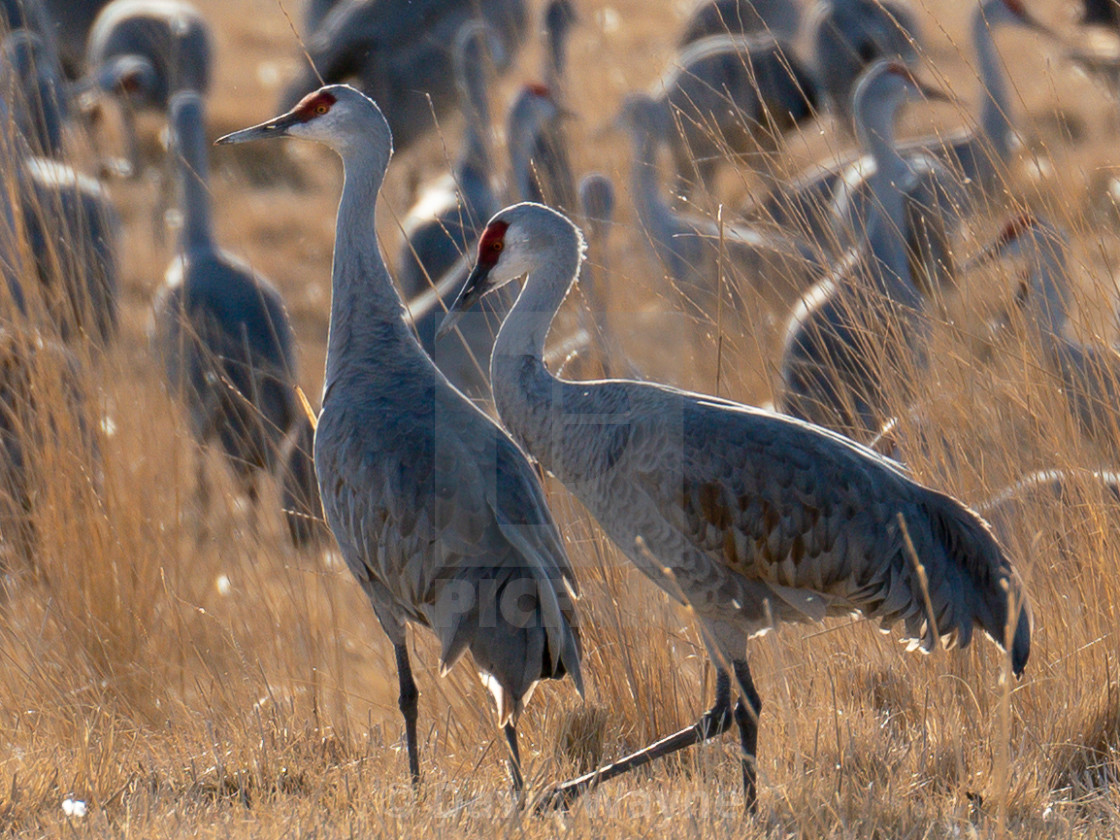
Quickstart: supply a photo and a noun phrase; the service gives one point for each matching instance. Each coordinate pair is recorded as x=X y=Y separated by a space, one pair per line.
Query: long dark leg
x=715 y=721
x=407 y=704
x=746 y=716
x=514 y=759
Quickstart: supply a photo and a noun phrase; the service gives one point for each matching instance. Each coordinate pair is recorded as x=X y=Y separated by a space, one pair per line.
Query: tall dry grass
x=186 y=675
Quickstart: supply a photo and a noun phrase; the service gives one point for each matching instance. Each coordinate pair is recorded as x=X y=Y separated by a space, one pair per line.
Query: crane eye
x=322 y=108
x=496 y=246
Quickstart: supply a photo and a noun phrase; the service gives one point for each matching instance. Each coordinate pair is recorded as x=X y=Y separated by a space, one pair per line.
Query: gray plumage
x=751 y=518
x=596 y=203
x=32 y=84
x=848 y=35
x=732 y=97
x=688 y=246
x=780 y=18
x=398 y=52
x=221 y=329
x=436 y=511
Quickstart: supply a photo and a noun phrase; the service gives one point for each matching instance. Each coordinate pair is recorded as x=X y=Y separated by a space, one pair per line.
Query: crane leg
x=407 y=704
x=514 y=759
x=714 y=722
x=746 y=716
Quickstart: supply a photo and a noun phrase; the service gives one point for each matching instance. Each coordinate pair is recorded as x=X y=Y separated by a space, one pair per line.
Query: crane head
x=1015 y=11
x=1014 y=237
x=482 y=278
x=337 y=115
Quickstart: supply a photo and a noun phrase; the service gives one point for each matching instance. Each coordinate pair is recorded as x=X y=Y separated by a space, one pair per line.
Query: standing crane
x=750 y=518
x=143 y=51
x=1089 y=374
x=551 y=180
x=848 y=35
x=436 y=511
x=221 y=330
x=596 y=204
x=780 y=18
x=860 y=333
x=731 y=97
x=398 y=52
x=695 y=253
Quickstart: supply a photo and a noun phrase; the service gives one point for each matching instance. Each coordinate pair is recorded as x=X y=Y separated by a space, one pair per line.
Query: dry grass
x=187 y=677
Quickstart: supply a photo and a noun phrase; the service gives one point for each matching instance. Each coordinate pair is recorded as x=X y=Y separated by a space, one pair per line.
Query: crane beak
x=934 y=94
x=988 y=255
x=1041 y=28
x=472 y=292
x=276 y=127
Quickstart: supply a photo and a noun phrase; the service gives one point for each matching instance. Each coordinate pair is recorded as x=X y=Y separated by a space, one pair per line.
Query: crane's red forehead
x=308 y=107
x=537 y=89
x=1016 y=6
x=491 y=242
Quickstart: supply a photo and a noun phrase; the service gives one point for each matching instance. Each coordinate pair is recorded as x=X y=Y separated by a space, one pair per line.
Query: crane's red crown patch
x=314 y=105
x=491 y=243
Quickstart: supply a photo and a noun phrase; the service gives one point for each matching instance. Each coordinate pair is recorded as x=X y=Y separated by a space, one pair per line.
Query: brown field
x=185 y=676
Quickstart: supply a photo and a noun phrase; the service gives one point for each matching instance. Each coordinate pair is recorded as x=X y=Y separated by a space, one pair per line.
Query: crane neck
x=1050 y=285
x=474 y=100
x=365 y=307
x=995 y=109
x=518 y=359
x=194 y=178
x=654 y=213
x=875 y=118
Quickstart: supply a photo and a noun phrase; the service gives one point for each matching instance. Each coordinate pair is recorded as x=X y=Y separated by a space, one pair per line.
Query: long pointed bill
x=472 y=292
x=934 y=94
x=277 y=127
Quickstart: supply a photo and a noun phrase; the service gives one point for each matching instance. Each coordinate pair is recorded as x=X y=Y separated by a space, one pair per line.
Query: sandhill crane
x=750 y=518
x=848 y=35
x=859 y=334
x=142 y=52
x=448 y=215
x=780 y=18
x=32 y=83
x=73 y=20
x=693 y=250
x=436 y=511
x=977 y=156
x=732 y=96
x=1089 y=374
x=221 y=330
x=464 y=357
x=551 y=180
x=299 y=489
x=398 y=52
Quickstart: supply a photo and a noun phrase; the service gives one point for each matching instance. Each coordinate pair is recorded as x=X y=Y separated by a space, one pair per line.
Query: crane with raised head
x=780 y=18
x=696 y=253
x=436 y=511
x=221 y=329
x=399 y=53
x=750 y=518
x=855 y=339
x=730 y=99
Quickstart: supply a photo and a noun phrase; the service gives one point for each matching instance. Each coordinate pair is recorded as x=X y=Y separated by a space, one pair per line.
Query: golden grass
x=186 y=676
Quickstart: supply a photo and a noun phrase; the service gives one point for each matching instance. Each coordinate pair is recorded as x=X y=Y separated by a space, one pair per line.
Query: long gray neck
x=875 y=118
x=654 y=214
x=519 y=347
x=995 y=110
x=194 y=176
x=476 y=106
x=365 y=308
